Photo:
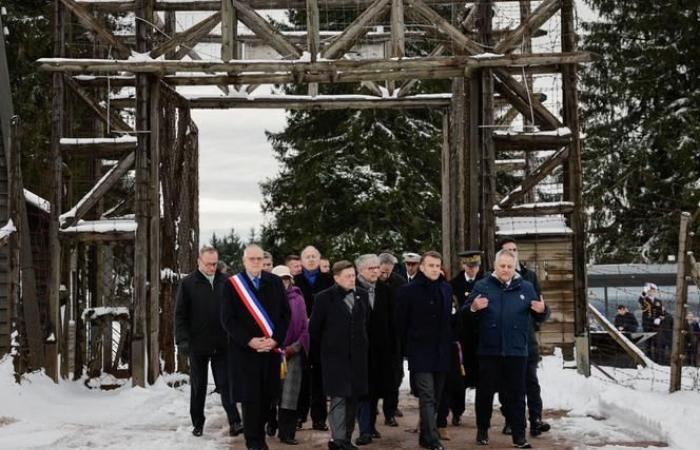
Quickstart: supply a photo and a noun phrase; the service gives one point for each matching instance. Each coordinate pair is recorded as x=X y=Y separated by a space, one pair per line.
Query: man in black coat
x=338 y=330
x=625 y=321
x=382 y=345
x=425 y=306
x=533 y=389
x=255 y=314
x=198 y=334
x=390 y=277
x=311 y=281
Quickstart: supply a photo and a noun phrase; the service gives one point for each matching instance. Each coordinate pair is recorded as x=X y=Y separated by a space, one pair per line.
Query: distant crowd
x=328 y=341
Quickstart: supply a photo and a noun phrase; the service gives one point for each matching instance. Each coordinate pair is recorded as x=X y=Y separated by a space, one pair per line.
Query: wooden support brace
x=539 y=16
x=358 y=28
x=188 y=38
x=625 y=343
x=102 y=186
x=265 y=31
x=530 y=141
x=407 y=85
x=535 y=177
x=112 y=120
x=102 y=34
x=535 y=209
x=96 y=149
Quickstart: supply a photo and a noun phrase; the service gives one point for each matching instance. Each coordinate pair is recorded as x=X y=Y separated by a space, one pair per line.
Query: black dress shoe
x=364 y=439
x=506 y=429
x=456 y=421
x=482 y=437
x=235 y=429
x=398 y=413
x=521 y=443
x=539 y=427
x=376 y=434
x=319 y=426
x=289 y=441
x=391 y=421
x=197 y=431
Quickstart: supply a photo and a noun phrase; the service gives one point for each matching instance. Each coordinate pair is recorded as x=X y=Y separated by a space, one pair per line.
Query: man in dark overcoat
x=199 y=334
x=394 y=280
x=311 y=281
x=255 y=354
x=382 y=345
x=504 y=304
x=425 y=307
x=338 y=330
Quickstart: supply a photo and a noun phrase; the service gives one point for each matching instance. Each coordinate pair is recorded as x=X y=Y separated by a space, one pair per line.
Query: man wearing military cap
x=411 y=261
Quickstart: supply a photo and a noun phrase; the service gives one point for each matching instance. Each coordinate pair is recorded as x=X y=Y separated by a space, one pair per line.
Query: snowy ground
x=41 y=415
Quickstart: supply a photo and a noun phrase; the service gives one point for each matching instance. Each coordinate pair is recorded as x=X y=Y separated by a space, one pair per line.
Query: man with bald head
x=311 y=281
x=255 y=314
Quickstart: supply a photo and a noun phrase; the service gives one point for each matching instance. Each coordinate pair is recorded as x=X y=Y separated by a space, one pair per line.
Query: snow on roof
x=37 y=201
x=632 y=269
x=522 y=226
x=102 y=226
x=117 y=140
x=7 y=229
x=562 y=131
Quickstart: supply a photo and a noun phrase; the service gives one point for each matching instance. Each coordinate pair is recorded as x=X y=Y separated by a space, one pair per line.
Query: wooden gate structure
x=490 y=71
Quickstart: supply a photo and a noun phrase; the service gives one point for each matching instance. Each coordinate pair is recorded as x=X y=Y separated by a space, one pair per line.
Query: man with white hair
x=311 y=281
x=503 y=303
x=382 y=345
x=255 y=314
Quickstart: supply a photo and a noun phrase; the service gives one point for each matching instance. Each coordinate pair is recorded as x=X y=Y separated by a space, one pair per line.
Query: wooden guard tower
x=490 y=70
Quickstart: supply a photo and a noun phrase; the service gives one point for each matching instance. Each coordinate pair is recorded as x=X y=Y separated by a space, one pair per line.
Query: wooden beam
x=536 y=19
x=154 y=241
x=113 y=121
x=265 y=31
x=88 y=236
x=517 y=95
x=408 y=85
x=320 y=102
x=213 y=5
x=358 y=28
x=423 y=13
x=164 y=67
x=530 y=141
x=535 y=209
x=398 y=38
x=96 y=149
x=188 y=39
x=313 y=43
x=229 y=31
x=629 y=347
x=98 y=191
x=510 y=165
x=90 y=23
x=535 y=177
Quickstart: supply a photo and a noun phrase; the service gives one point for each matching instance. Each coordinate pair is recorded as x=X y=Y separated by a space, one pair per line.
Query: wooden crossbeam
x=96 y=149
x=628 y=346
x=407 y=86
x=112 y=120
x=188 y=38
x=527 y=27
x=517 y=95
x=530 y=141
x=398 y=38
x=321 y=102
x=91 y=236
x=90 y=23
x=535 y=177
x=421 y=12
x=535 y=209
x=510 y=165
x=102 y=186
x=265 y=31
x=358 y=28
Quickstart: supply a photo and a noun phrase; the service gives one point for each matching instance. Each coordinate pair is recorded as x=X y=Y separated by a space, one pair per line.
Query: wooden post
x=312 y=37
x=455 y=170
x=445 y=191
x=144 y=10
x=474 y=165
x=488 y=164
x=154 y=234
x=574 y=187
x=679 y=324
x=54 y=284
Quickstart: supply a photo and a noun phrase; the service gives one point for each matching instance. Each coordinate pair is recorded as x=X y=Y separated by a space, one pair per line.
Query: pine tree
x=642 y=126
x=230 y=249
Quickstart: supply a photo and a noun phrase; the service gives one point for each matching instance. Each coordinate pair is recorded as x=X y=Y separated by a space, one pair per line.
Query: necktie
x=256 y=282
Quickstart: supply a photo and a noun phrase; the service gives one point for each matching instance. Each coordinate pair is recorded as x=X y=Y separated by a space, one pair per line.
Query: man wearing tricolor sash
x=255 y=314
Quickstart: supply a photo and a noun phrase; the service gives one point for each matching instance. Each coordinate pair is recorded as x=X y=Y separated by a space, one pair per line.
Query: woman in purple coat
x=296 y=349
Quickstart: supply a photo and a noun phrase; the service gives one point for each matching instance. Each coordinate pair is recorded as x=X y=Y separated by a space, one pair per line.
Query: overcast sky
x=235 y=157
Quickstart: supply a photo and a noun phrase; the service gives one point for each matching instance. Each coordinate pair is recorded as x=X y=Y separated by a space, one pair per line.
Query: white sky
x=235 y=156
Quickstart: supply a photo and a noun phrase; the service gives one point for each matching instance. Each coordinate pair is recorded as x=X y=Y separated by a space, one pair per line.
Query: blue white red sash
x=252 y=304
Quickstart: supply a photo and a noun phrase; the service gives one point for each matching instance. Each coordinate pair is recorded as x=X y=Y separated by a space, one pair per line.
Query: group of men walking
x=299 y=340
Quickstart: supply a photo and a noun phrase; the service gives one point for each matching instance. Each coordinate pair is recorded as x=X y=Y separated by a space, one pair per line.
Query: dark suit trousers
x=506 y=375
x=199 y=368
x=534 y=397
x=319 y=404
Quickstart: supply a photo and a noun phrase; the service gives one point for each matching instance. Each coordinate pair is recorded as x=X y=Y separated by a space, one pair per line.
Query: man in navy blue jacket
x=504 y=303
x=424 y=309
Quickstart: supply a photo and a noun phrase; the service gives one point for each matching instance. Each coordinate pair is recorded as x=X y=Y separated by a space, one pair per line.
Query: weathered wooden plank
x=110 y=118
x=535 y=177
x=534 y=210
x=189 y=37
x=97 y=149
x=536 y=19
x=102 y=34
x=358 y=28
x=264 y=30
x=530 y=141
x=319 y=102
